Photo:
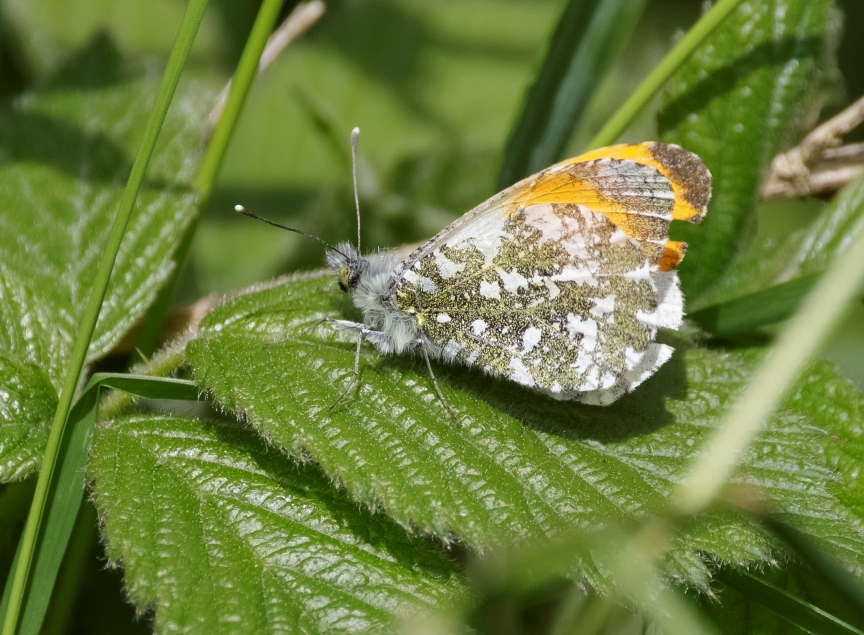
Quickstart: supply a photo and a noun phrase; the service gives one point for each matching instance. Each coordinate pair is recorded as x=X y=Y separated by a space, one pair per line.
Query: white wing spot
x=554 y=291
x=565 y=231
x=484 y=233
x=427 y=285
x=602 y=306
x=478 y=326
x=577 y=275
x=490 y=290
x=446 y=267
x=443 y=318
x=530 y=338
x=512 y=281
x=423 y=282
x=520 y=374
x=586 y=328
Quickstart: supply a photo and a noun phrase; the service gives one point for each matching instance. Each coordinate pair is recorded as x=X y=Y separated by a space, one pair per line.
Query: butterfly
x=559 y=283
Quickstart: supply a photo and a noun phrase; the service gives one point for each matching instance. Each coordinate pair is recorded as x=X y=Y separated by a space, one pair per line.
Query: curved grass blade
x=794 y=610
x=66 y=490
x=839 y=579
x=53 y=462
x=247 y=68
x=628 y=111
x=586 y=40
x=756 y=309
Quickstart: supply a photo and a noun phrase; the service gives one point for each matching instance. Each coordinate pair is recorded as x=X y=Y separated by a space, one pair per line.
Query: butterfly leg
x=312 y=326
x=305 y=331
x=446 y=405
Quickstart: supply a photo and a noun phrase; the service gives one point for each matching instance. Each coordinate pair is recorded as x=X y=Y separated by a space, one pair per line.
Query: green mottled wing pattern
x=552 y=296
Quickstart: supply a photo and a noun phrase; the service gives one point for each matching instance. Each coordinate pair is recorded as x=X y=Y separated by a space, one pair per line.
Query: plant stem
x=182 y=44
x=247 y=68
x=625 y=115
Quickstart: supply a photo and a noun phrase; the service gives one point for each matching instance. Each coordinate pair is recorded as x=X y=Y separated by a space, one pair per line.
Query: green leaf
x=66 y=488
x=27 y=403
x=833 y=230
x=757 y=309
x=66 y=154
x=226 y=535
x=519 y=465
x=840 y=409
x=589 y=35
x=791 y=600
x=741 y=98
x=789 y=607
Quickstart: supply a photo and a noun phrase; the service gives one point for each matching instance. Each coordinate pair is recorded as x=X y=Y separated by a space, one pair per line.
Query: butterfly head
x=348 y=264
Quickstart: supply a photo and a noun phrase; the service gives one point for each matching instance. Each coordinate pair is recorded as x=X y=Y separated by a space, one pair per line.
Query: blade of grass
x=820 y=312
x=588 y=37
x=246 y=71
x=628 y=111
x=63 y=499
x=835 y=576
x=53 y=461
x=794 y=610
x=755 y=309
x=80 y=551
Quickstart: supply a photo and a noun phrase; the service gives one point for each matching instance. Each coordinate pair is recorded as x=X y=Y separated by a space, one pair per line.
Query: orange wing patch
x=640 y=188
x=690 y=179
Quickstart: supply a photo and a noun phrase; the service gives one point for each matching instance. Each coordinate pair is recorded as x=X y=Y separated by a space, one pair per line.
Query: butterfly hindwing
x=553 y=296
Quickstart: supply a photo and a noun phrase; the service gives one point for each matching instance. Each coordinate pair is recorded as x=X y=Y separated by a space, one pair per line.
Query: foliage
x=263 y=509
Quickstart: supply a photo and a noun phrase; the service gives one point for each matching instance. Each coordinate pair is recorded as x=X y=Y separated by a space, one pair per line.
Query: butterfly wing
x=560 y=282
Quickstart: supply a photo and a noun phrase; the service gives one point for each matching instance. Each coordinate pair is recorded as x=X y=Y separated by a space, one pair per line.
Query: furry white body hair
x=370 y=280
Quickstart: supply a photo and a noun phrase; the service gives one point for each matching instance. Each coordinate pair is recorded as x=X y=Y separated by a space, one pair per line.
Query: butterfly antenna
x=355 y=136
x=242 y=210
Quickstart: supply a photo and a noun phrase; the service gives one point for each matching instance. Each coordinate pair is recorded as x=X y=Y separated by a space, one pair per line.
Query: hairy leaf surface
x=742 y=97
x=221 y=534
x=66 y=154
x=518 y=465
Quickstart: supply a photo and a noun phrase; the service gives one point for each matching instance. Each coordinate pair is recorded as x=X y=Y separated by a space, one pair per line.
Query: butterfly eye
x=344 y=277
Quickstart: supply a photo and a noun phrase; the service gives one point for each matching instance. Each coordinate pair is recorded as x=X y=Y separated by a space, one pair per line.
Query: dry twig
x=819 y=164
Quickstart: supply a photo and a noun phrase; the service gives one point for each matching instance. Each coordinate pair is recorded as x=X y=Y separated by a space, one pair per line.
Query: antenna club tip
x=240 y=209
x=355 y=132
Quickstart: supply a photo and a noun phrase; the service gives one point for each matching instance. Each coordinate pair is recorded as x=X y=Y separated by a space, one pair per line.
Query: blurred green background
x=434 y=86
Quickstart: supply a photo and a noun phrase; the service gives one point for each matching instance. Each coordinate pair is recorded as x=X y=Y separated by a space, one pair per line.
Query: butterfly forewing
x=560 y=282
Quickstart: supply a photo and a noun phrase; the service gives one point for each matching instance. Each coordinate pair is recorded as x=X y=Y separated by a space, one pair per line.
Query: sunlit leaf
x=66 y=153
x=219 y=533
x=518 y=465
x=745 y=95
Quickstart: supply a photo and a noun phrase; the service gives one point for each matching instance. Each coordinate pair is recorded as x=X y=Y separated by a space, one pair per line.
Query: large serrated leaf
x=741 y=98
x=520 y=465
x=66 y=153
x=222 y=534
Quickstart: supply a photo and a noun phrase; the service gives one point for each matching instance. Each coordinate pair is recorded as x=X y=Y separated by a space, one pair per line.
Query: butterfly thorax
x=369 y=280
